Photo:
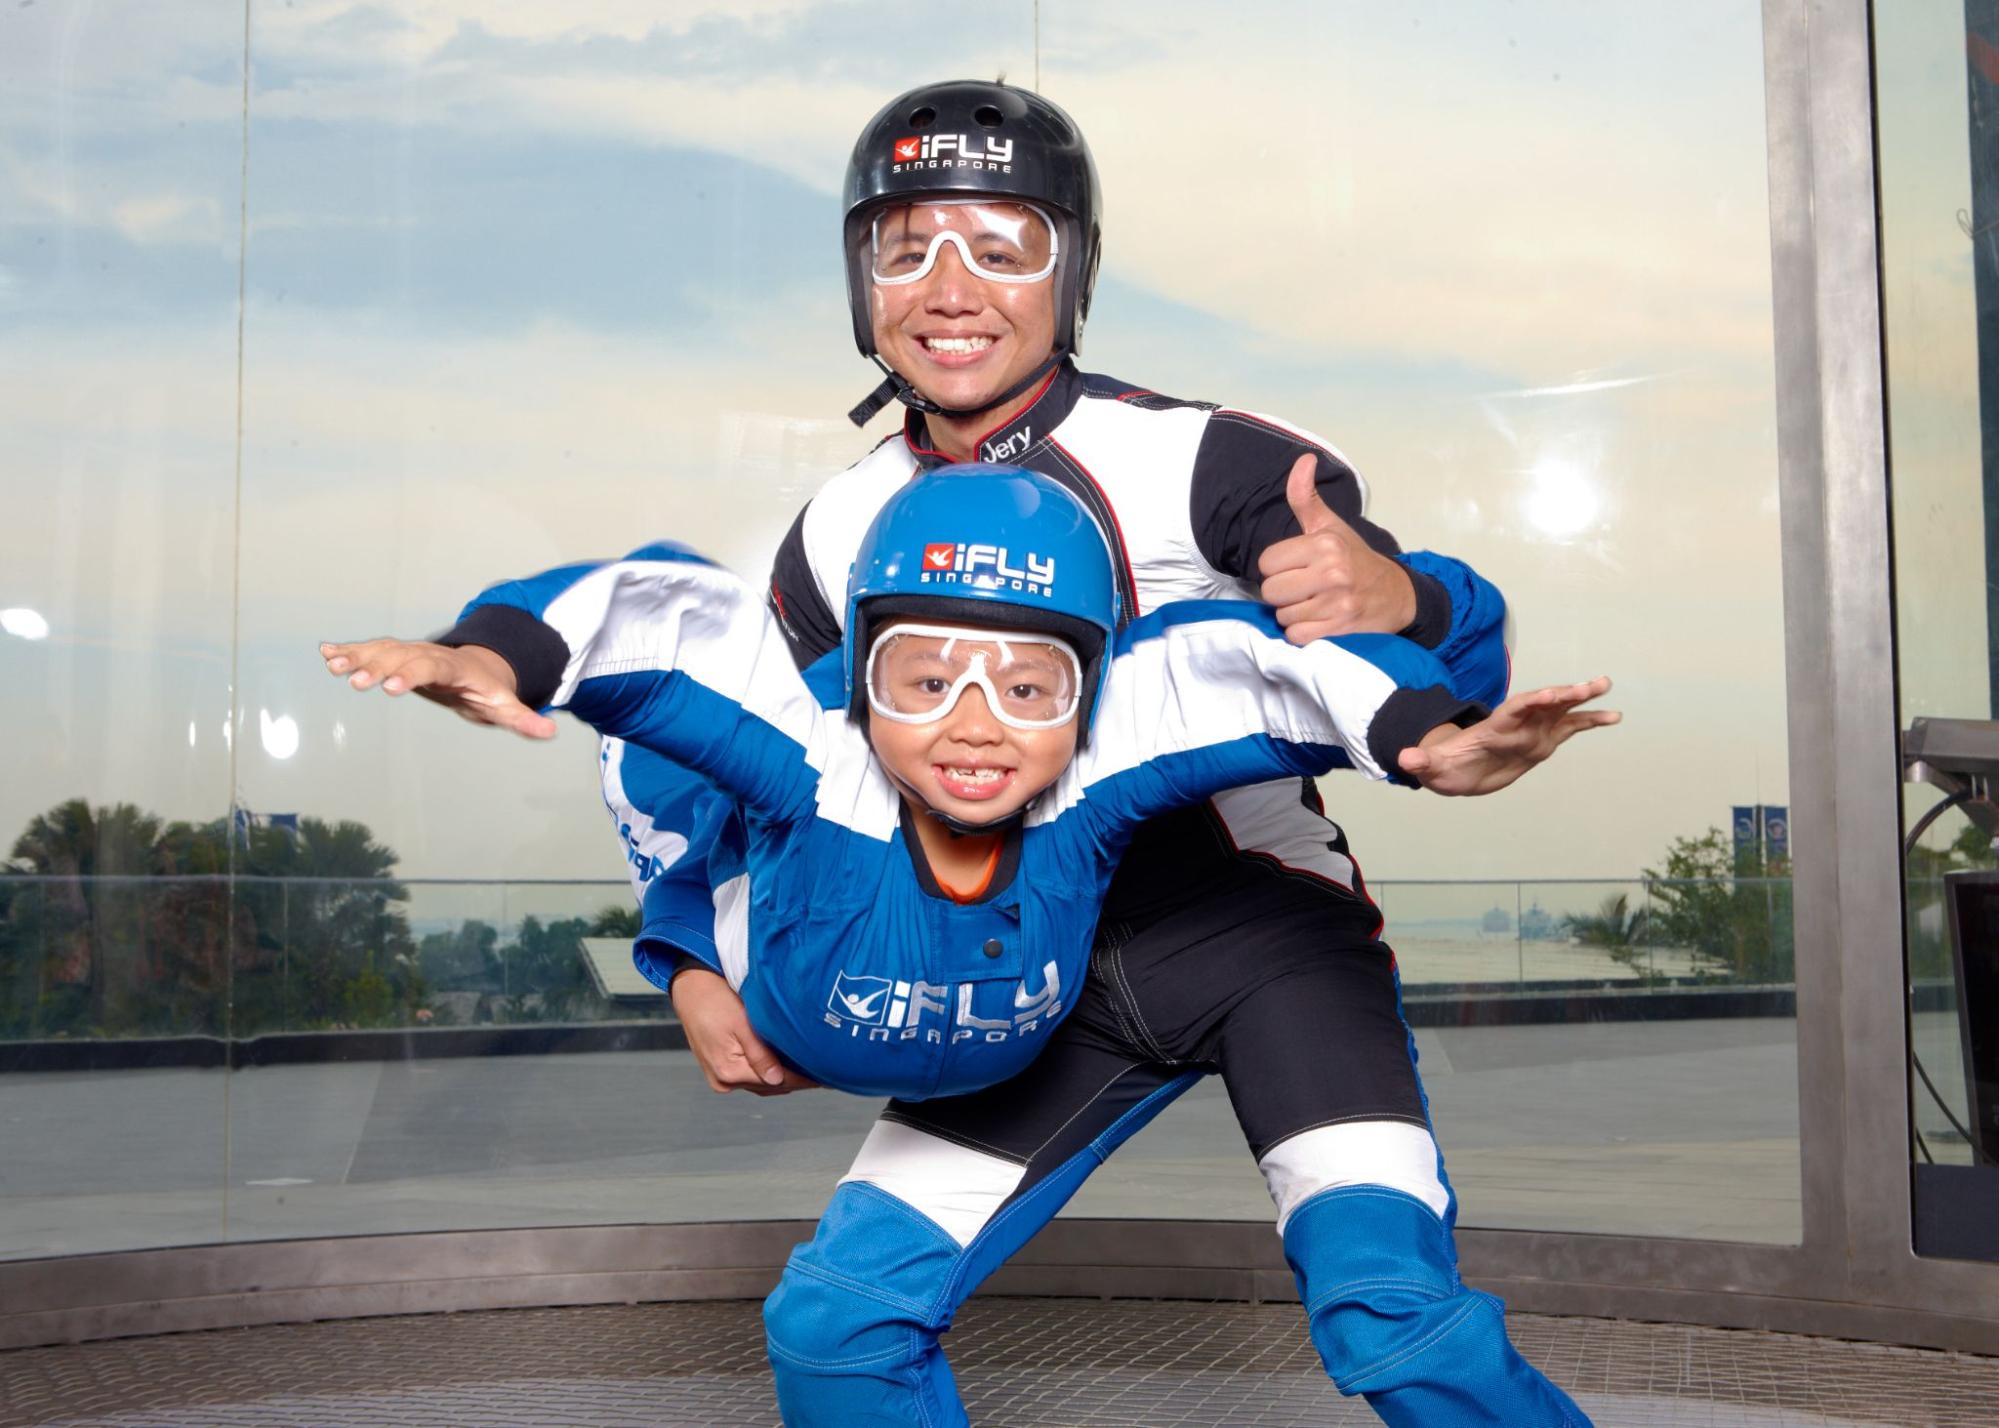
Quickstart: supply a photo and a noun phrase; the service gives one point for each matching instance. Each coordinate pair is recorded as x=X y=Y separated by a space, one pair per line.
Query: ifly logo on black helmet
x=986 y=567
x=952 y=151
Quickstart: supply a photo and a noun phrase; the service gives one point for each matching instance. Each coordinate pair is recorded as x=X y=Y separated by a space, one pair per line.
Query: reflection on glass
x=521 y=295
x=1561 y=499
x=24 y=623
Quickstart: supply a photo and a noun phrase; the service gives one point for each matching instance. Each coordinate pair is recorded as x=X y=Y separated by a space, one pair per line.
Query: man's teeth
x=981 y=775
x=957 y=344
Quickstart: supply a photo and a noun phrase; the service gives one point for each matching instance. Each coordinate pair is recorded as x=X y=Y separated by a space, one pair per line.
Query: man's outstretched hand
x=1326 y=580
x=471 y=681
x=1517 y=735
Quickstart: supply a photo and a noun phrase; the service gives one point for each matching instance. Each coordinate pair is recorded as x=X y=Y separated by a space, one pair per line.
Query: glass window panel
x=1514 y=262
x=520 y=291
x=1937 y=78
x=556 y=284
x=120 y=191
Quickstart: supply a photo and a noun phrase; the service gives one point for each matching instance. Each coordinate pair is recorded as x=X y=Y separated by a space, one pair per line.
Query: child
x=928 y=843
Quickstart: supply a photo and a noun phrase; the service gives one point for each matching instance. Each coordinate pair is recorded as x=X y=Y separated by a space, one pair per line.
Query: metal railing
x=244 y=956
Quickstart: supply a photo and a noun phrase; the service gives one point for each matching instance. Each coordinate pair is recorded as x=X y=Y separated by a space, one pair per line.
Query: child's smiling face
x=968 y=762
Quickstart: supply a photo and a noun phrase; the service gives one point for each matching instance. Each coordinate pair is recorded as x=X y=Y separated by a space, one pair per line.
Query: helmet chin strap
x=896 y=388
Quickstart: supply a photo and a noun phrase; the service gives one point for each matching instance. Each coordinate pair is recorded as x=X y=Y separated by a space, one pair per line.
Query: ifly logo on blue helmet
x=986 y=567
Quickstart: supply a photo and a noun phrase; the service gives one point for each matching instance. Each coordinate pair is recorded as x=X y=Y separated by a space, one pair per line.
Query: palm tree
x=88 y=932
x=327 y=936
x=1614 y=927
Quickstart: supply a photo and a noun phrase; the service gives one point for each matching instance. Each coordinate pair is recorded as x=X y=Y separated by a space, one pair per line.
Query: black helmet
x=967 y=136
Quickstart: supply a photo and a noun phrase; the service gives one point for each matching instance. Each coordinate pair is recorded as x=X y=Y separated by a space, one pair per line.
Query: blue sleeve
x=669 y=652
x=1473 y=649
x=668 y=821
x=1207 y=695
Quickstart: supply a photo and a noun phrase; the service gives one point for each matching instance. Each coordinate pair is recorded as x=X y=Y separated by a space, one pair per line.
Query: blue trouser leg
x=1393 y=1322
x=853 y=1326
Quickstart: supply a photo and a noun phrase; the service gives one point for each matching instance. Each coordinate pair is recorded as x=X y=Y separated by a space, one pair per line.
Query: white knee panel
x=1390 y=1153
x=958 y=1187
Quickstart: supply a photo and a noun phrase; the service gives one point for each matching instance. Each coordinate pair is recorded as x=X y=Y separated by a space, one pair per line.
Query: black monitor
x=1973 y=899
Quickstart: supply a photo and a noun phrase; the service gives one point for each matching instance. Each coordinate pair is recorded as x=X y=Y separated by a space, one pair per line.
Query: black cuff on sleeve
x=1433 y=610
x=536 y=652
x=1406 y=716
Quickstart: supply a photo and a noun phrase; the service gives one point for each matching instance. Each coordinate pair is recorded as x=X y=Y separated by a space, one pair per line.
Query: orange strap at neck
x=973 y=894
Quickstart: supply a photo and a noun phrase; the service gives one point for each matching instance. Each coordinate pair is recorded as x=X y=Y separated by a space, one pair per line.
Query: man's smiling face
x=957 y=337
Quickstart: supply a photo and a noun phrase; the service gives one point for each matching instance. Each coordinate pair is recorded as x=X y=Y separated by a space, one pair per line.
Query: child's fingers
x=364 y=663
x=419 y=666
x=392 y=668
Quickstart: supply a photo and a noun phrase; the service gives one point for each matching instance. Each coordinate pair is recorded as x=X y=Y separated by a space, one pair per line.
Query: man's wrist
x=1429 y=608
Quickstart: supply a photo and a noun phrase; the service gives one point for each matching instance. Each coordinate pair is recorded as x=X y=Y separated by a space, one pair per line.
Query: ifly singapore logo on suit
x=888 y=1010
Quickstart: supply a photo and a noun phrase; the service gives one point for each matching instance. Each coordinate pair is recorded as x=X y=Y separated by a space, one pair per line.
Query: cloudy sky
x=533 y=282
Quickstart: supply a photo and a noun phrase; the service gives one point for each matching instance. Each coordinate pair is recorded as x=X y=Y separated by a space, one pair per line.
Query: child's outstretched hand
x=472 y=682
x=1517 y=735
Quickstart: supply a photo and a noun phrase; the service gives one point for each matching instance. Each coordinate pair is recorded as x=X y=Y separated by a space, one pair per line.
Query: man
x=1237 y=938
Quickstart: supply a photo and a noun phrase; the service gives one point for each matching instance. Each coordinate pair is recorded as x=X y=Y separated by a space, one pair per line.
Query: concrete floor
x=1663 y=1128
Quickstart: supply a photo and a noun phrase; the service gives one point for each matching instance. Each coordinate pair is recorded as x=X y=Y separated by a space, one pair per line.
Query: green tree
x=1732 y=909
x=617 y=920
x=84 y=924
x=462 y=960
x=546 y=972
x=333 y=943
x=129 y=927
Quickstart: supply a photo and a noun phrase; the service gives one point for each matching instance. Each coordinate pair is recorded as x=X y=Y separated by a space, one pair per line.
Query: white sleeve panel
x=732 y=929
x=1143 y=460
x=841 y=513
x=1212 y=682
x=649 y=849
x=633 y=616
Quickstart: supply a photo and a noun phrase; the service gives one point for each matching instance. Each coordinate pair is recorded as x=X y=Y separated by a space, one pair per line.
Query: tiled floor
x=1022 y=1362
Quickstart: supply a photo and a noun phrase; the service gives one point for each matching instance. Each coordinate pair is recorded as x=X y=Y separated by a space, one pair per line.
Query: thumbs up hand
x=1326 y=580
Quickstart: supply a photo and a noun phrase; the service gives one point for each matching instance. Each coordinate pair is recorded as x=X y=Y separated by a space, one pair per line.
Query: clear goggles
x=916 y=673
x=1002 y=242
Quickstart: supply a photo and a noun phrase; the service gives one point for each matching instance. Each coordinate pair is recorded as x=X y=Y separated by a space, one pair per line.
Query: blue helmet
x=995 y=545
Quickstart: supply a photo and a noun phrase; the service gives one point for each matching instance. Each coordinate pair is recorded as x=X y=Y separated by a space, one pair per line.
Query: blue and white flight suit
x=1237 y=939
x=852 y=962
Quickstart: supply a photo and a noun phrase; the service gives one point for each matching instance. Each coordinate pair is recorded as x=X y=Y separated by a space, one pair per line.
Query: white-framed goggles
x=1002 y=241
x=915 y=674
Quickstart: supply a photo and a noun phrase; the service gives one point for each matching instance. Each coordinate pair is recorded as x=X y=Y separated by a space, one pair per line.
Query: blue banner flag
x=1777 y=831
x=1748 y=827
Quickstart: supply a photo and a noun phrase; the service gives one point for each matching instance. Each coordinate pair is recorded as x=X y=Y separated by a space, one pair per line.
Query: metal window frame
x=1854 y=1274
